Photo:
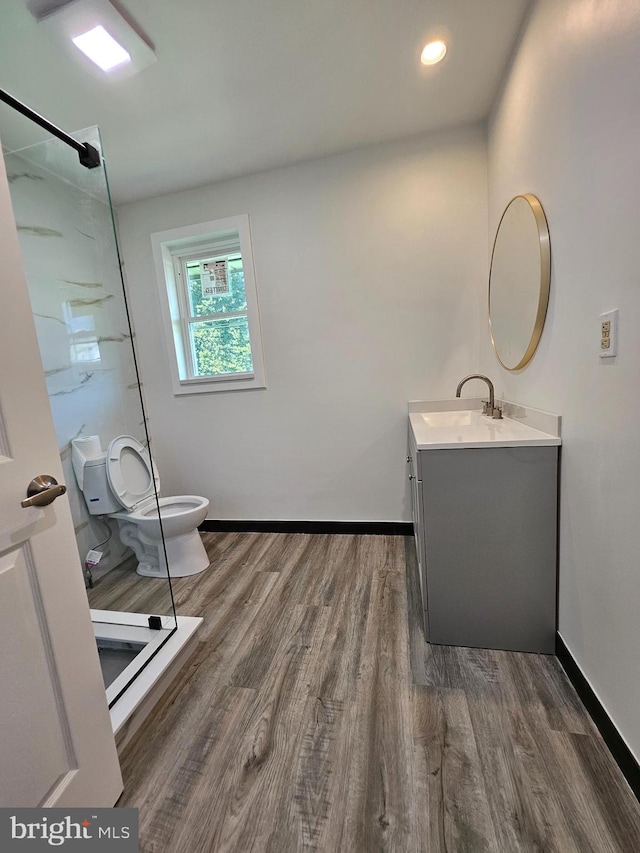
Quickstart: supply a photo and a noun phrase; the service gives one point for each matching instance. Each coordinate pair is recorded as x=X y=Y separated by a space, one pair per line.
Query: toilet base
x=186 y=555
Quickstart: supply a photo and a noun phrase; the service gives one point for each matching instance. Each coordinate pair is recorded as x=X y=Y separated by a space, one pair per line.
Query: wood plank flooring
x=313 y=716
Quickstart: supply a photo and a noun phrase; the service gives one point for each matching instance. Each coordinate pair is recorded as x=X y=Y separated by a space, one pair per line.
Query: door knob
x=43 y=490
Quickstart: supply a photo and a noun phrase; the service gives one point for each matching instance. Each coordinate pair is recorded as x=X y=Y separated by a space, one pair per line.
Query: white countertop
x=465 y=428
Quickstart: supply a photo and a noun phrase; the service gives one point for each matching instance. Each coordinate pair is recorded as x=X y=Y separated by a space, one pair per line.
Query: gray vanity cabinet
x=418 y=524
x=485 y=522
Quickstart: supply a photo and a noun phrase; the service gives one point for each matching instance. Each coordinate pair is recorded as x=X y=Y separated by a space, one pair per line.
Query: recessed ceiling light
x=433 y=52
x=102 y=48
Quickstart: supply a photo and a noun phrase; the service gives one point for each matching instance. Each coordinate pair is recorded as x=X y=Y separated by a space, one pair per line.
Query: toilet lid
x=129 y=471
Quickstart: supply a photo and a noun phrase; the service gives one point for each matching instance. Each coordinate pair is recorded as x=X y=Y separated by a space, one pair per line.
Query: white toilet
x=120 y=484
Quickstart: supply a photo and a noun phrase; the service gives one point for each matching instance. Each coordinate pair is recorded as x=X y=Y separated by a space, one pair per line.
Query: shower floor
x=115 y=658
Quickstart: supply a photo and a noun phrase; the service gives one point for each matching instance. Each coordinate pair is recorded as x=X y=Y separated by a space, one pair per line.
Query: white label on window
x=214 y=278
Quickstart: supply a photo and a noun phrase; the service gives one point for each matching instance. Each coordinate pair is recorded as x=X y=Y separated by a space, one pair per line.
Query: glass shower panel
x=65 y=224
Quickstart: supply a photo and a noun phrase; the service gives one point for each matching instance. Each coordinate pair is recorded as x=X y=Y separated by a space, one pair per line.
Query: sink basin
x=470 y=428
x=449 y=419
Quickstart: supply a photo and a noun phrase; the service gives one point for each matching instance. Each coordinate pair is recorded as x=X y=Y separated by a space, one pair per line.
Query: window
x=210 y=306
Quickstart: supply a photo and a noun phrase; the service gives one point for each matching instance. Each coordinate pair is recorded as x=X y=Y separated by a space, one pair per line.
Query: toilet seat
x=169 y=507
x=130 y=472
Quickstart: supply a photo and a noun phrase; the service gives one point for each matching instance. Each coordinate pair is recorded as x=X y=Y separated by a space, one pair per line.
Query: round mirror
x=519 y=281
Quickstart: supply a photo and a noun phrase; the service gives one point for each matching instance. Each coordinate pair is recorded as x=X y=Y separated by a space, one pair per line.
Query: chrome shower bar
x=87 y=154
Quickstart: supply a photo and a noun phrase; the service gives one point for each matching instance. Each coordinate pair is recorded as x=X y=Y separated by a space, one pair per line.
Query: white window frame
x=205 y=239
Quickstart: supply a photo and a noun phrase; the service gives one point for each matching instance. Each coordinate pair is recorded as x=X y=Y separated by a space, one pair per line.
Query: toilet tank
x=97 y=494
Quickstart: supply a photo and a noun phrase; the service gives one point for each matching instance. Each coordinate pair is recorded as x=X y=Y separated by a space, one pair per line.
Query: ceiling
x=241 y=86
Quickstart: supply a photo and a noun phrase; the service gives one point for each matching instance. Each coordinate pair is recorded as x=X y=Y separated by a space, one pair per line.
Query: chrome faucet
x=489 y=407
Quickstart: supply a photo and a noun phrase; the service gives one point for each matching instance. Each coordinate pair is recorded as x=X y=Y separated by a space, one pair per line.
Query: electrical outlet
x=609 y=334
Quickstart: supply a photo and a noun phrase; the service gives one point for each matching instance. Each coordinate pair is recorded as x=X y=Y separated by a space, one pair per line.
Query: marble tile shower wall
x=71 y=263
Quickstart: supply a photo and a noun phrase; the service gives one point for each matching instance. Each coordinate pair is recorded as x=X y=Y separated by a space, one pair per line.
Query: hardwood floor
x=314 y=717
x=122 y=589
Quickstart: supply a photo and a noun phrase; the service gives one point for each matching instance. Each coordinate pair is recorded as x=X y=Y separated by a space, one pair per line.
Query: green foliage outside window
x=221 y=345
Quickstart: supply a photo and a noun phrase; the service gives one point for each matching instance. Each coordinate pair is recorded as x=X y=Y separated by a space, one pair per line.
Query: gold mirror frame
x=545 y=279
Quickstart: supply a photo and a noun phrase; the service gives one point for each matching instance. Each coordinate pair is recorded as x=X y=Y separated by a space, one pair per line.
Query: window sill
x=214 y=384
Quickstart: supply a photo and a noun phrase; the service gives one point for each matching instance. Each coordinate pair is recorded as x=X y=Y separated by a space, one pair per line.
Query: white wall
x=567 y=129
x=367 y=267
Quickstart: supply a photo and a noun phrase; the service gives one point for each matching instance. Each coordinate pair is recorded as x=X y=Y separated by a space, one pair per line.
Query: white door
x=56 y=743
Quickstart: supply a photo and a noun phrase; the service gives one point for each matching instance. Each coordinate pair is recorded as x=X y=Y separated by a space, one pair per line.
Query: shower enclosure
x=70 y=253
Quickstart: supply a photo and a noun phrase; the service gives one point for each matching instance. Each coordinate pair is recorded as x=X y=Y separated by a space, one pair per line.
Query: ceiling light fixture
x=433 y=52
x=100 y=32
x=101 y=48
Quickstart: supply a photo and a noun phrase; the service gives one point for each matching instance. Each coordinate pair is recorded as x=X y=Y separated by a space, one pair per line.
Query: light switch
x=609 y=334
